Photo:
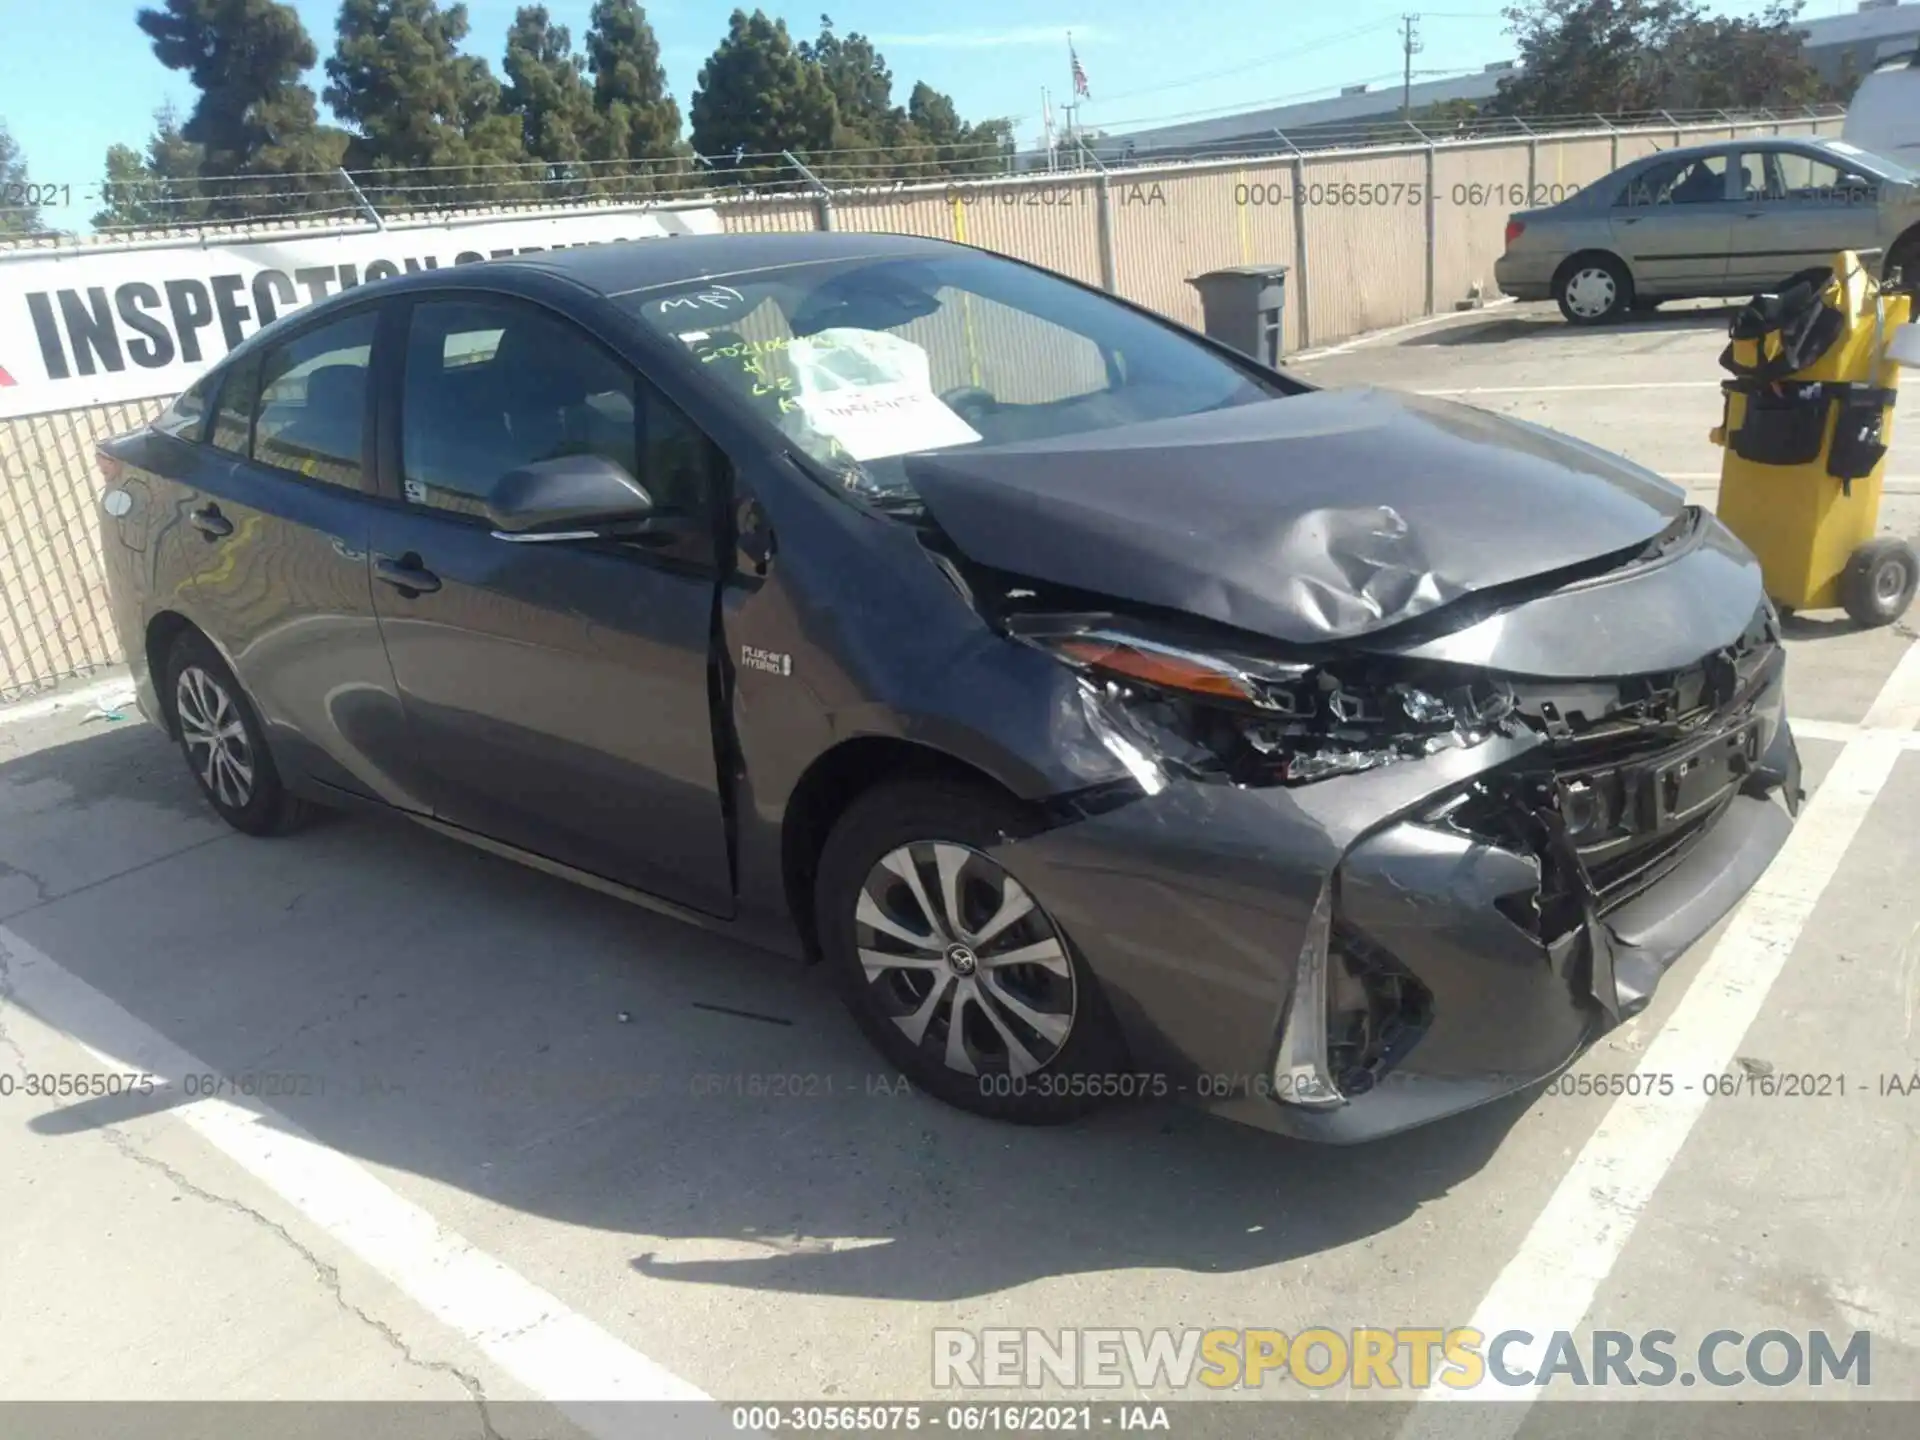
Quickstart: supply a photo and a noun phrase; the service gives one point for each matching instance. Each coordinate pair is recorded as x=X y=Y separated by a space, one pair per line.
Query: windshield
x=861 y=362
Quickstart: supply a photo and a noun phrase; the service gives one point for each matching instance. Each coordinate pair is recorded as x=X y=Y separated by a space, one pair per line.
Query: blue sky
x=78 y=75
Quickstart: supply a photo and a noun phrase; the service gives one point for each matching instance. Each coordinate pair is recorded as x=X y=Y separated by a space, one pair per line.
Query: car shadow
x=442 y=1014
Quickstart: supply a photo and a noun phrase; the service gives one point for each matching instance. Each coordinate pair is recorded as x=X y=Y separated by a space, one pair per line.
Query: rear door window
x=313 y=402
x=1693 y=180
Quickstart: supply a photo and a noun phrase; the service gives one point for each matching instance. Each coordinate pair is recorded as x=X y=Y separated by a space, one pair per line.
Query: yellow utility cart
x=1808 y=420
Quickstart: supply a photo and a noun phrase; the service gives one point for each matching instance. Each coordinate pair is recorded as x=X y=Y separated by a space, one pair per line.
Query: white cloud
x=986 y=39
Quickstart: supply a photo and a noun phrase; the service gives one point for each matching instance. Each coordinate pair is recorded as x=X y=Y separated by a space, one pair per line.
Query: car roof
x=1687 y=152
x=628 y=265
x=1722 y=147
x=616 y=267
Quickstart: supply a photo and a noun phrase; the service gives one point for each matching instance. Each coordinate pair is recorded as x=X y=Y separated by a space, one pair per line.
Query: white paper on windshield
x=871 y=422
x=872 y=394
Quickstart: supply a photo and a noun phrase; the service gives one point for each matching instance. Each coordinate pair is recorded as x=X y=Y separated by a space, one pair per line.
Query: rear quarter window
x=186 y=417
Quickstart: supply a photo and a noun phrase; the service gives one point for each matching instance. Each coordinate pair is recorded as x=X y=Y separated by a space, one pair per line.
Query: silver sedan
x=1733 y=218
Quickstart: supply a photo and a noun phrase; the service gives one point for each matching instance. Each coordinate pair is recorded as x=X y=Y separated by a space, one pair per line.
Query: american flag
x=1079 y=75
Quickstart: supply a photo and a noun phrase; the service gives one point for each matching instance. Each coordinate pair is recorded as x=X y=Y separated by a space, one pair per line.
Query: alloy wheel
x=215 y=737
x=964 y=960
x=1591 y=293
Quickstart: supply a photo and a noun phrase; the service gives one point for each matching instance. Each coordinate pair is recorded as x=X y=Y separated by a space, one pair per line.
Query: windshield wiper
x=894 y=502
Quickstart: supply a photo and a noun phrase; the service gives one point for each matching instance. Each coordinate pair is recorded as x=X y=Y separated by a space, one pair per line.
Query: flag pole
x=1077 y=81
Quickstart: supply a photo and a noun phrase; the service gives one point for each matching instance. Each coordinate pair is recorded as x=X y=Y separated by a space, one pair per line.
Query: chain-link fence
x=1371 y=237
x=192 y=205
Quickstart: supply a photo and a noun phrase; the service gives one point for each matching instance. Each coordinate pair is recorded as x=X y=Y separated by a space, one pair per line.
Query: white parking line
x=556 y=1353
x=1838 y=732
x=1571 y=1249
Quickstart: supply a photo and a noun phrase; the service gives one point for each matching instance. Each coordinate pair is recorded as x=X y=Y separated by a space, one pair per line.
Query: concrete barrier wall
x=1372 y=238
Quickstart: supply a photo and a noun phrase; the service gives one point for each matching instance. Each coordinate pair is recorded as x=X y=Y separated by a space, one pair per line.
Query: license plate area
x=1675 y=789
x=1612 y=810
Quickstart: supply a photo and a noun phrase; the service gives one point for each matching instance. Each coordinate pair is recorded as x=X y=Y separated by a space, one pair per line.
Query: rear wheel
x=224 y=743
x=953 y=969
x=1879 y=581
x=1593 y=289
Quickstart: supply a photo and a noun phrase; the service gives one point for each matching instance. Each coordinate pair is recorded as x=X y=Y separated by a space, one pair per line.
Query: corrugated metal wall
x=780 y=214
x=1170 y=225
x=1050 y=222
x=1475 y=188
x=1634 y=147
x=1364 y=264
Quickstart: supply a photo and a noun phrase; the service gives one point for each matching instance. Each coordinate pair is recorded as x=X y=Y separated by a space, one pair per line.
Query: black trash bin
x=1243 y=305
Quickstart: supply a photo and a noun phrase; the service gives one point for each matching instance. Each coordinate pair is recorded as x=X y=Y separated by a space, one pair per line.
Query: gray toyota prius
x=1109 y=714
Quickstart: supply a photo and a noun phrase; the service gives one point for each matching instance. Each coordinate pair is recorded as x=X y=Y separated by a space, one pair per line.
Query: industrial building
x=1838 y=45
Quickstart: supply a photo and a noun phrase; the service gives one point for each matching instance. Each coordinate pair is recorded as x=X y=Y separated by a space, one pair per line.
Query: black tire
x=241 y=783
x=1075 y=1071
x=1879 y=581
x=1593 y=290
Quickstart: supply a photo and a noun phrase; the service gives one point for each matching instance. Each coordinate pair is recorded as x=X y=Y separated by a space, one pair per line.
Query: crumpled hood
x=1316 y=517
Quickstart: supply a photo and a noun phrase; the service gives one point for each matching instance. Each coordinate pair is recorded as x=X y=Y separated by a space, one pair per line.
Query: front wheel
x=953 y=969
x=1594 y=290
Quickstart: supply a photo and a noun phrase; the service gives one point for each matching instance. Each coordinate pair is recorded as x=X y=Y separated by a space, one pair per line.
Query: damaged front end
x=1354 y=891
x=1244 y=721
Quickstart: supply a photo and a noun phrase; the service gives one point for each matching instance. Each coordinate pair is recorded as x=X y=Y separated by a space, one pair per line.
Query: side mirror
x=571 y=497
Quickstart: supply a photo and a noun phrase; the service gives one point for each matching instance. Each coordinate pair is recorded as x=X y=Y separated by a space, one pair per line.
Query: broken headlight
x=1208 y=714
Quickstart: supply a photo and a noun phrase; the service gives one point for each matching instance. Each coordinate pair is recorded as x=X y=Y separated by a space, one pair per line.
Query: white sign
x=881 y=420
x=871 y=392
x=81 y=329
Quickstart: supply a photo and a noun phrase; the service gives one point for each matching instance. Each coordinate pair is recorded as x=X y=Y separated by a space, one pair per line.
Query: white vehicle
x=1884 y=116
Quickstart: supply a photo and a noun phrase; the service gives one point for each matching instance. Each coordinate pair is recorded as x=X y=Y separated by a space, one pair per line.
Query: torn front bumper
x=1235 y=930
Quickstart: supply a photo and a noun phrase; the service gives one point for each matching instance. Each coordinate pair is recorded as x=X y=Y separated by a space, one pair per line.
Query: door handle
x=407 y=574
x=210 y=522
